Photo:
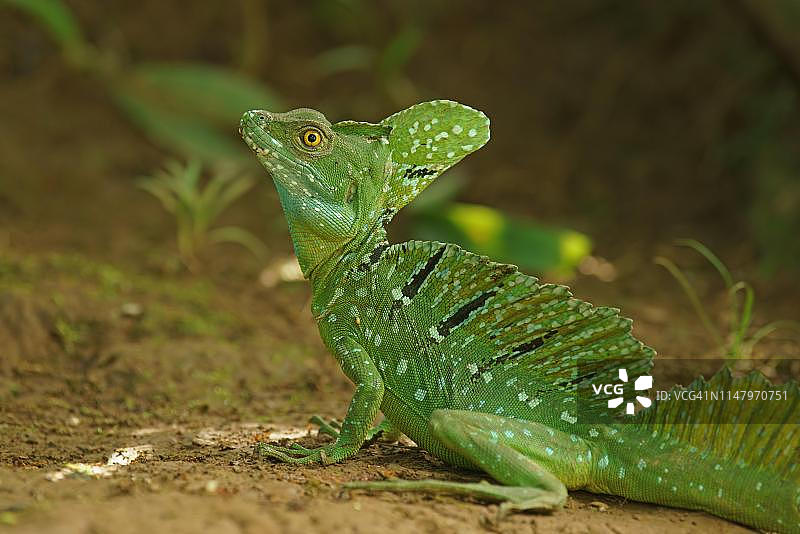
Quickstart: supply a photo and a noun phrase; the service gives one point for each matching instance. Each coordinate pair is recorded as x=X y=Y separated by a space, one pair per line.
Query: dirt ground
x=196 y=390
x=106 y=345
x=97 y=359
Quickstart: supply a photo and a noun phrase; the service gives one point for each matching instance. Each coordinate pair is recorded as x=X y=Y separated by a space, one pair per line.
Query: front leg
x=364 y=407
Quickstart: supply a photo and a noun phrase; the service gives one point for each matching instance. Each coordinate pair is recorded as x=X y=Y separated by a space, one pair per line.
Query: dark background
x=634 y=122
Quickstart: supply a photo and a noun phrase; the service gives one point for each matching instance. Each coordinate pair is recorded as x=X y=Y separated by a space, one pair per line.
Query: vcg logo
x=642 y=383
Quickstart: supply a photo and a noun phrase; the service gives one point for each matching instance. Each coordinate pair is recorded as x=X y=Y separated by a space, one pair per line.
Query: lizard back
x=451 y=329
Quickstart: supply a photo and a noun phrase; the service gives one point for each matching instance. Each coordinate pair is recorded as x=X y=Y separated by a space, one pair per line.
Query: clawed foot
x=297 y=454
x=328 y=454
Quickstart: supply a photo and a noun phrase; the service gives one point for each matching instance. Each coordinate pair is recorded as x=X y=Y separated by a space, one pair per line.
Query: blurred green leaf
x=344 y=58
x=59 y=21
x=178 y=132
x=218 y=94
x=191 y=108
x=490 y=232
x=399 y=51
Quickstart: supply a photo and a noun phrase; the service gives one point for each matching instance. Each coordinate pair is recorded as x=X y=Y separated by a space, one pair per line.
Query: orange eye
x=311 y=137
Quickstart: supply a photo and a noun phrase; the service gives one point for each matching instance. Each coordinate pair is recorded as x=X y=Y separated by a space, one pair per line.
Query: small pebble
x=599 y=505
x=131 y=309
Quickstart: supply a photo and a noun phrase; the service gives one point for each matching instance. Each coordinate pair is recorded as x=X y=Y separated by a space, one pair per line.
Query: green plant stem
x=693 y=298
x=741 y=316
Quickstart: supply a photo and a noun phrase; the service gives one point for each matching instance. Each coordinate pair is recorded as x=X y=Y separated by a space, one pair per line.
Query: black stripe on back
x=374 y=256
x=516 y=352
x=464 y=312
x=411 y=288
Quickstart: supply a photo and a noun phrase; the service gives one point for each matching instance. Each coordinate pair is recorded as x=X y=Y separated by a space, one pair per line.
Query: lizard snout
x=254 y=116
x=252 y=128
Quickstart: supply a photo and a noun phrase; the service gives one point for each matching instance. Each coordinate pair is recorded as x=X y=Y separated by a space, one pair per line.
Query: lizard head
x=339 y=183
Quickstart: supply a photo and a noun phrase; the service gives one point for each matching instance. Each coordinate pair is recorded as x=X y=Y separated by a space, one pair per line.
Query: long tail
x=738 y=459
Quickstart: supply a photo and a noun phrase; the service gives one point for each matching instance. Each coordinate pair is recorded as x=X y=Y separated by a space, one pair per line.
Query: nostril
x=255 y=116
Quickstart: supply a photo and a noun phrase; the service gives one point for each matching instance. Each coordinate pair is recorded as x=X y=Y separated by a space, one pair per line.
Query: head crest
x=426 y=140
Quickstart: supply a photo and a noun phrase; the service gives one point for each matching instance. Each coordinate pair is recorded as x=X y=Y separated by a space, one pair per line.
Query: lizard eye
x=311 y=137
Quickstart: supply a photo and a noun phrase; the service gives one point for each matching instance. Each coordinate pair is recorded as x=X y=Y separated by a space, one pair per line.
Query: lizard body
x=476 y=362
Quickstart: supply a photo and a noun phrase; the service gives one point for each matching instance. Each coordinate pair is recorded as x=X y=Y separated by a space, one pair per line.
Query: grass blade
x=693 y=297
x=60 y=22
x=710 y=256
x=743 y=318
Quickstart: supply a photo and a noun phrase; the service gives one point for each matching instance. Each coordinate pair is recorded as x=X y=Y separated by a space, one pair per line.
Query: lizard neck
x=327 y=276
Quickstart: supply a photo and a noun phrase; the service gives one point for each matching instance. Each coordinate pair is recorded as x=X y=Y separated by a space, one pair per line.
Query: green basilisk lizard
x=480 y=364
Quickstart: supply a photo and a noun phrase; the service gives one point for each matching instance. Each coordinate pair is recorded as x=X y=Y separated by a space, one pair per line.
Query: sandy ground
x=193 y=380
x=191 y=483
